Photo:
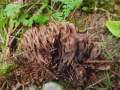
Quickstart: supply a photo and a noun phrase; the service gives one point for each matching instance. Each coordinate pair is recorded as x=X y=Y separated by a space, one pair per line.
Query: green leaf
x=23 y=19
x=37 y=19
x=12 y=10
x=114 y=27
x=29 y=22
x=40 y=19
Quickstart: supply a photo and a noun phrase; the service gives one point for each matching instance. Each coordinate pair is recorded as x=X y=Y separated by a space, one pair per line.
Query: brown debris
x=55 y=51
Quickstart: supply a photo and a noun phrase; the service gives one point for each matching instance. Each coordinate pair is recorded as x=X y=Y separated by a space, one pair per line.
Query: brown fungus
x=54 y=51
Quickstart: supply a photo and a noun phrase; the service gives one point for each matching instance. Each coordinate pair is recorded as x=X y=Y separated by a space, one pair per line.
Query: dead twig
x=13 y=38
x=2 y=87
x=99 y=81
x=115 y=73
x=101 y=62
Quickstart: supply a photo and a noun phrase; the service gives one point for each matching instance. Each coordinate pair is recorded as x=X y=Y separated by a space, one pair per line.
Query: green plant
x=93 y=5
x=6 y=68
x=114 y=27
x=12 y=18
x=17 y=15
x=67 y=6
x=3 y=32
x=108 y=80
x=88 y=5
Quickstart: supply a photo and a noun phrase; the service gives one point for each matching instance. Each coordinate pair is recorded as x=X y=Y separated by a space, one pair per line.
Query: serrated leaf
x=114 y=27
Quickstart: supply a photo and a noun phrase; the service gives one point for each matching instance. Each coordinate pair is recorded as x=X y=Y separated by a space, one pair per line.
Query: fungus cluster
x=54 y=52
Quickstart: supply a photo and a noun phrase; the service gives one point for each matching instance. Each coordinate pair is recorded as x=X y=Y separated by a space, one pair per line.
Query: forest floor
x=102 y=73
x=104 y=77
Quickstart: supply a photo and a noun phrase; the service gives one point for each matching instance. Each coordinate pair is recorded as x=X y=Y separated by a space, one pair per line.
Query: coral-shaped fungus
x=54 y=51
